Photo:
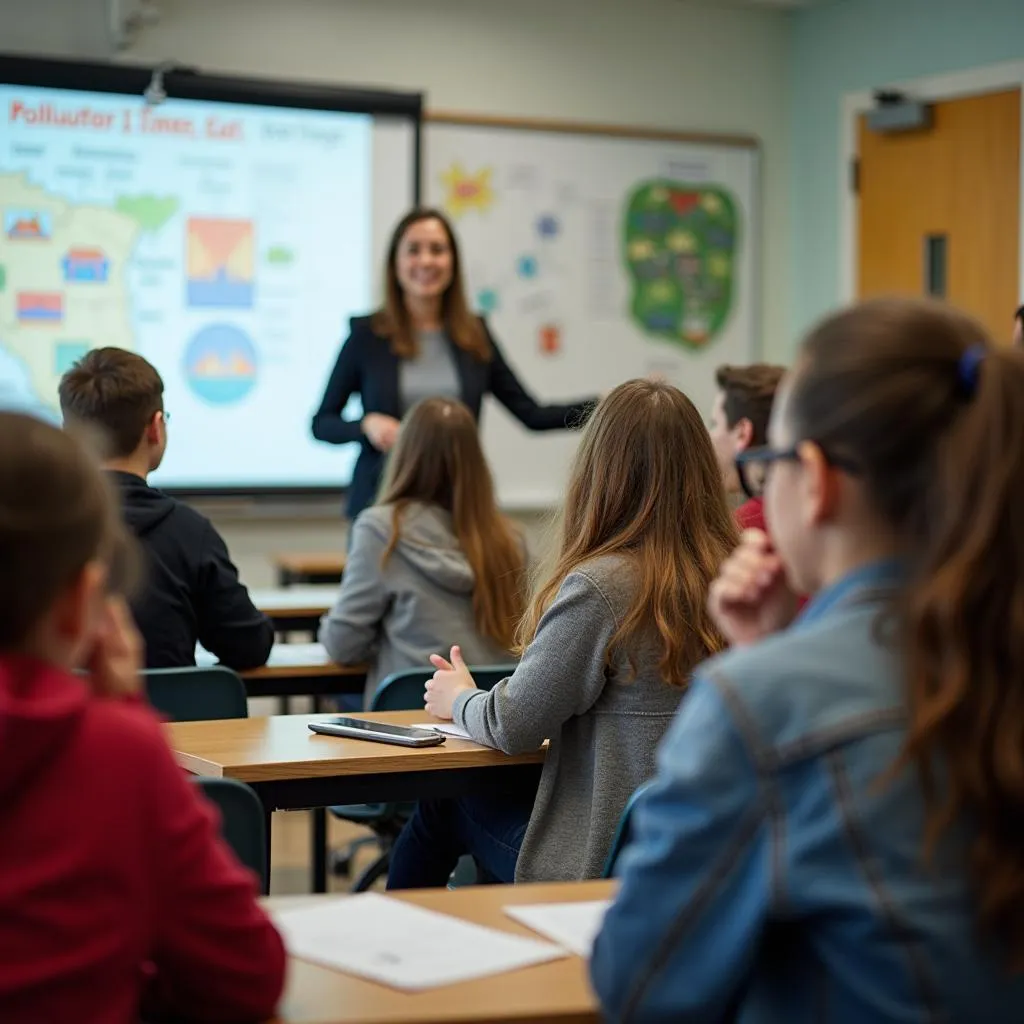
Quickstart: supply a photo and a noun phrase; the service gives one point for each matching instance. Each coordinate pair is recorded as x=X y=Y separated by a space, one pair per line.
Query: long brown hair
x=392 y=320
x=939 y=439
x=645 y=483
x=438 y=460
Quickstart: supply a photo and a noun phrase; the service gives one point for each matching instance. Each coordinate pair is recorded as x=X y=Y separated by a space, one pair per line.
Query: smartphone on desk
x=361 y=729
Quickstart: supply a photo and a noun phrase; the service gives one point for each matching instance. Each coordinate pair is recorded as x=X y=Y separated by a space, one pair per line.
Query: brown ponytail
x=939 y=438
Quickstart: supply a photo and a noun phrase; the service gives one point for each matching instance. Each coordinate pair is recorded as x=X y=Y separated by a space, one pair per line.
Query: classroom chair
x=242 y=822
x=400 y=691
x=621 y=839
x=192 y=694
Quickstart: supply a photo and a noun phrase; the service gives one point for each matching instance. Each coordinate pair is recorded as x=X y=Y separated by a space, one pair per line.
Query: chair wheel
x=341 y=864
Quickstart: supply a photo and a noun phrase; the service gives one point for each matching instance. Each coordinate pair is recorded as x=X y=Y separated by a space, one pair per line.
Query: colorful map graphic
x=680 y=245
x=465 y=191
x=27 y=225
x=221 y=262
x=221 y=364
x=40 y=307
x=85 y=263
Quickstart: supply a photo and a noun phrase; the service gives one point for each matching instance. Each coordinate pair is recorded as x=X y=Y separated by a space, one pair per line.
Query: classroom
x=508 y=511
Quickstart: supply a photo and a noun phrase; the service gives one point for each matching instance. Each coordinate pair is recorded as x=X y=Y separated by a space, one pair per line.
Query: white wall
x=663 y=63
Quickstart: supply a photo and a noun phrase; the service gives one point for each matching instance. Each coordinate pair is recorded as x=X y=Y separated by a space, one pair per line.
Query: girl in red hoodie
x=117 y=895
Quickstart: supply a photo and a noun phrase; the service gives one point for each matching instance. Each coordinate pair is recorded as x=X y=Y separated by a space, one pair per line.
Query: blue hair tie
x=968 y=367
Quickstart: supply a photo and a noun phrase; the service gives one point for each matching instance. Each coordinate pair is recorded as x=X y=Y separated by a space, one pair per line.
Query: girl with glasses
x=835 y=830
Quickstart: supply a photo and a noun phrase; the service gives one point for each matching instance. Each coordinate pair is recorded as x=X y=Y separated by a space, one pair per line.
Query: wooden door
x=940 y=208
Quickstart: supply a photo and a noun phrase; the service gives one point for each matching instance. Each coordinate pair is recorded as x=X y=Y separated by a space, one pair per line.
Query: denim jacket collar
x=884 y=574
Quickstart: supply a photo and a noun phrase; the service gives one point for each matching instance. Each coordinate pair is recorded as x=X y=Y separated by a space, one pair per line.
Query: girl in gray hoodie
x=434 y=561
x=615 y=628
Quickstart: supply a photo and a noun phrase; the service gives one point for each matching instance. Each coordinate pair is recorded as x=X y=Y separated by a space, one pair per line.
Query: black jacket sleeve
x=506 y=389
x=328 y=422
x=230 y=625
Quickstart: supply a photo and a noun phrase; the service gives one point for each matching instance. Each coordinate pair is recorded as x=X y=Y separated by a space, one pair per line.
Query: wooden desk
x=558 y=991
x=297 y=670
x=319 y=567
x=291 y=768
x=295 y=608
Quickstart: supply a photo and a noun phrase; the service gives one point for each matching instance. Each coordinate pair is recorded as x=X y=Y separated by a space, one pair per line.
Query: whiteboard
x=597 y=258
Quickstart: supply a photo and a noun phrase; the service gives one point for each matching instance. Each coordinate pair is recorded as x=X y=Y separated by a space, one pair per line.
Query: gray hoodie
x=604 y=722
x=418 y=604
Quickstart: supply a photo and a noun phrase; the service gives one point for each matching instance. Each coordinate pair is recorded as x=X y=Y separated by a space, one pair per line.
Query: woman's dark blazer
x=368 y=367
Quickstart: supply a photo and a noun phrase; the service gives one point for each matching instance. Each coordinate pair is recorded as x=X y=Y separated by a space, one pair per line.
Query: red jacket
x=114 y=883
x=750 y=516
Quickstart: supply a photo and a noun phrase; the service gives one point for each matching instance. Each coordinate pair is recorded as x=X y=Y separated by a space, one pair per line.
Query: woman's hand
x=751 y=598
x=380 y=430
x=450 y=679
x=115 y=665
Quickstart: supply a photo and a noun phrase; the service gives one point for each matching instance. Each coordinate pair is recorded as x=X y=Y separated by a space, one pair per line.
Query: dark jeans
x=491 y=829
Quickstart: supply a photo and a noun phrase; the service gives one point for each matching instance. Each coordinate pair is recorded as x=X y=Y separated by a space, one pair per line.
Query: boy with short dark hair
x=192 y=591
x=739 y=420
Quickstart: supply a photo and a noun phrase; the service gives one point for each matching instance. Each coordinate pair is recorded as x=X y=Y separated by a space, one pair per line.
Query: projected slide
x=228 y=244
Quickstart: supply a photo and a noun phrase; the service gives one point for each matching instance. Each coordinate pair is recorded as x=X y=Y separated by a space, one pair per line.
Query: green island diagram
x=680 y=245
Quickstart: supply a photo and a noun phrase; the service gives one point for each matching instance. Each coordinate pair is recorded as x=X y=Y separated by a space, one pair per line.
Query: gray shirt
x=604 y=723
x=431 y=373
x=419 y=603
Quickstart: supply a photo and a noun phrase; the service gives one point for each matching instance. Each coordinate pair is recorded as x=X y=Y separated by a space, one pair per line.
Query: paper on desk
x=449 y=729
x=403 y=945
x=572 y=925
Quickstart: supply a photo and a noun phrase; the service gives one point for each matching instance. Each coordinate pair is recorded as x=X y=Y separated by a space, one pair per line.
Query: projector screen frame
x=182 y=82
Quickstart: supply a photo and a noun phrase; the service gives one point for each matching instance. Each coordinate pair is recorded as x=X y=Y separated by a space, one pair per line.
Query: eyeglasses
x=166 y=415
x=765 y=456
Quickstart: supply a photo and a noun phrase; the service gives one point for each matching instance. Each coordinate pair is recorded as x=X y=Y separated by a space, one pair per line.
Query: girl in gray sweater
x=614 y=630
x=434 y=560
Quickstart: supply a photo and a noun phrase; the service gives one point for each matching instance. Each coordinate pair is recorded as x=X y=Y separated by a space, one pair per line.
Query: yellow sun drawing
x=467 y=191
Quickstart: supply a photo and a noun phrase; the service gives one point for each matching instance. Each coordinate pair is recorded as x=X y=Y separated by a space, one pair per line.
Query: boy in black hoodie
x=192 y=588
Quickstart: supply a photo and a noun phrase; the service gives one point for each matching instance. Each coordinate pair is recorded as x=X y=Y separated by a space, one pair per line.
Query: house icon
x=85 y=265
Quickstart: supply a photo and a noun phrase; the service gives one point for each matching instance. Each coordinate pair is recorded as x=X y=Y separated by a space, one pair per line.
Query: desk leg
x=268 y=817
x=319 y=838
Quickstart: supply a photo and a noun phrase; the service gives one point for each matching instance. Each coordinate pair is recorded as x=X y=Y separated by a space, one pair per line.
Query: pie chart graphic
x=221 y=364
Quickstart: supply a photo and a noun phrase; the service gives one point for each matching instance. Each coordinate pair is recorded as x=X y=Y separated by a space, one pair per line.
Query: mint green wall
x=849 y=45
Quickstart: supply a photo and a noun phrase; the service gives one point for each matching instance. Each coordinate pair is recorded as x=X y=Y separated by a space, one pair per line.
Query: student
x=739 y=421
x=1018 y=328
x=115 y=889
x=611 y=637
x=834 y=833
x=192 y=590
x=434 y=560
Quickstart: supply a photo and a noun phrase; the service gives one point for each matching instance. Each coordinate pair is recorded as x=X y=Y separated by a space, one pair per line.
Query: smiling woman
x=423 y=343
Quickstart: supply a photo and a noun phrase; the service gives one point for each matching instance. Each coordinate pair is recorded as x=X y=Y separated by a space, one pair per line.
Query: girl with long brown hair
x=836 y=830
x=424 y=342
x=617 y=622
x=434 y=560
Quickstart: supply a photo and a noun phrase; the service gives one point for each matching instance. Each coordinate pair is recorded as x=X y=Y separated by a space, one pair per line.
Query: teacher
x=423 y=343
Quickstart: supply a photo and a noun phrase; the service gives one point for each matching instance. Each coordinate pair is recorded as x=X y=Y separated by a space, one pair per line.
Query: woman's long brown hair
x=392 y=320
x=941 y=448
x=438 y=461
x=645 y=484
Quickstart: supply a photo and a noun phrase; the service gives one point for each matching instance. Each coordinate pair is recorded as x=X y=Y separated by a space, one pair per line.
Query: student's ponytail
x=964 y=628
x=914 y=395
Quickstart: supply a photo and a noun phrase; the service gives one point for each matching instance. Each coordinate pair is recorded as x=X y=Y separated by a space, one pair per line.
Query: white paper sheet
x=448 y=729
x=402 y=945
x=573 y=926
x=281 y=656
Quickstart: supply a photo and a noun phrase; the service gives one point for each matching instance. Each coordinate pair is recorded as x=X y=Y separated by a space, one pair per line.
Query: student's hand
x=450 y=679
x=116 y=663
x=751 y=597
x=381 y=430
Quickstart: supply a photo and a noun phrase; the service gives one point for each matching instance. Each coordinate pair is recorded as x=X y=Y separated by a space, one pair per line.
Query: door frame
x=954 y=85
